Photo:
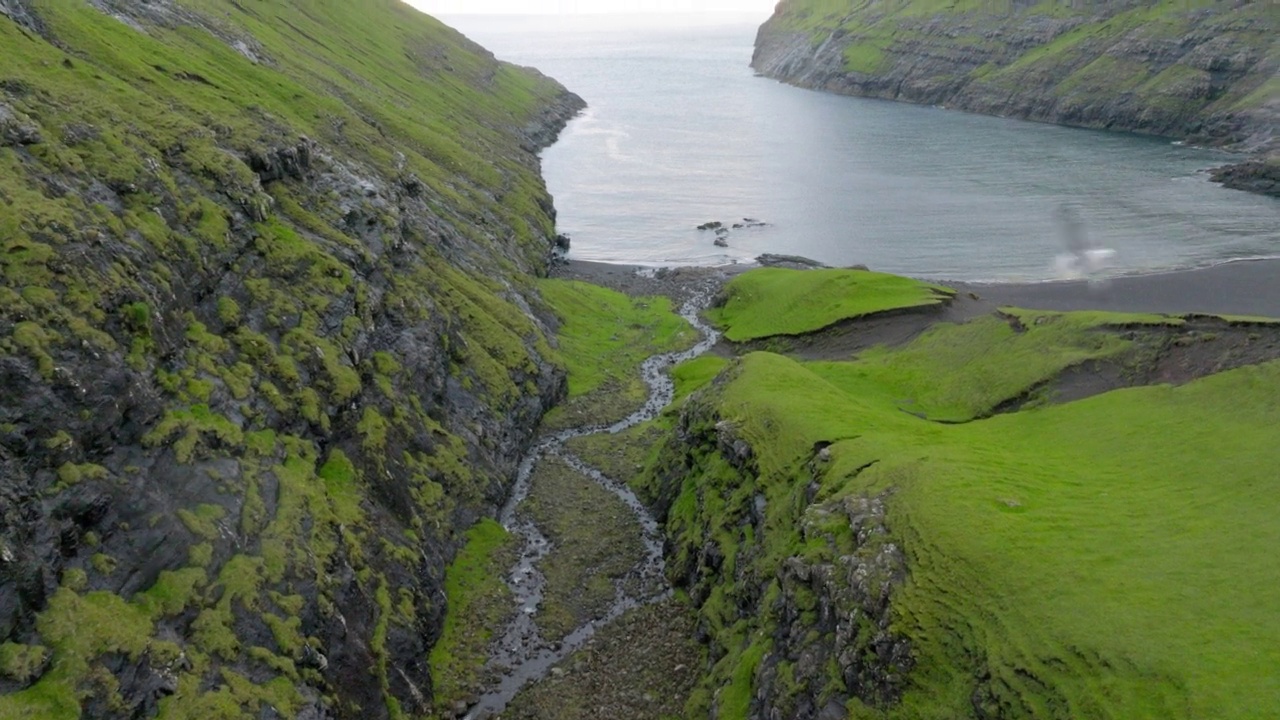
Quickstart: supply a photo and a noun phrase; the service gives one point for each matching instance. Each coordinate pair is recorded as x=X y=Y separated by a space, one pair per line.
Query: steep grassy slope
x=1204 y=70
x=269 y=344
x=1104 y=558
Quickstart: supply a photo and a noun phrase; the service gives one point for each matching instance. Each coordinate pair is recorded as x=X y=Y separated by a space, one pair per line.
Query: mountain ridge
x=1206 y=73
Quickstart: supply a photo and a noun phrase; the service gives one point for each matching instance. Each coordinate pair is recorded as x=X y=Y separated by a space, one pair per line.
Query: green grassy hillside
x=1103 y=558
x=270 y=344
x=1204 y=70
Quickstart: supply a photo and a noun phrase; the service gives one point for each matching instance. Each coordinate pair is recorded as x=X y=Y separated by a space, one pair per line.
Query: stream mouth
x=521 y=655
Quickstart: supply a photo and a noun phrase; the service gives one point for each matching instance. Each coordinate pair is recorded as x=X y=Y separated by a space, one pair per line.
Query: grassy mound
x=1104 y=558
x=777 y=301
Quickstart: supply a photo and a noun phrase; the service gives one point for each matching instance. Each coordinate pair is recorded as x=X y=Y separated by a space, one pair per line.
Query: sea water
x=680 y=131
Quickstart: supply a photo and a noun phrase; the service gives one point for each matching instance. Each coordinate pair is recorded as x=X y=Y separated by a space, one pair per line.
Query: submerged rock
x=788 y=261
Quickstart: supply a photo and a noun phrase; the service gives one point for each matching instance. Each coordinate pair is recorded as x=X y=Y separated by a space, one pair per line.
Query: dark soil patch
x=847 y=338
x=1171 y=355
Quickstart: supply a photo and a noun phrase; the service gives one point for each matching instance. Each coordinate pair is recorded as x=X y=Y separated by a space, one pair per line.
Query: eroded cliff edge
x=1205 y=72
x=269 y=343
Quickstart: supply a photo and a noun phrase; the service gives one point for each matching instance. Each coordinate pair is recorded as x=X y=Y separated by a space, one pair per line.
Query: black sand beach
x=1237 y=288
x=1250 y=288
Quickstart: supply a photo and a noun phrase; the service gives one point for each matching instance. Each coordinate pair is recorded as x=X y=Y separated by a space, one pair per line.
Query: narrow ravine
x=521 y=655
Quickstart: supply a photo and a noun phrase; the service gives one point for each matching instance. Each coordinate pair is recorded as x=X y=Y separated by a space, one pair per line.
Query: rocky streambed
x=591 y=552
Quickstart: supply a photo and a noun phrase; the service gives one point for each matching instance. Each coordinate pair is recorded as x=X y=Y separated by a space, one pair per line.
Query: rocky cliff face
x=793 y=596
x=1204 y=72
x=268 y=346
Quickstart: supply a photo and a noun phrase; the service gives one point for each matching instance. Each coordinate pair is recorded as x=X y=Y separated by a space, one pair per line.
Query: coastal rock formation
x=269 y=345
x=722 y=229
x=1260 y=176
x=1205 y=73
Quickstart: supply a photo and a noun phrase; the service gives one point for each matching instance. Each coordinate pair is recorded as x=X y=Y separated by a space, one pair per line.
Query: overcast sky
x=445 y=7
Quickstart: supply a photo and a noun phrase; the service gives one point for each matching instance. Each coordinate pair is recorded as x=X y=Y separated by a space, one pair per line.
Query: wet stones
x=560 y=247
x=722 y=229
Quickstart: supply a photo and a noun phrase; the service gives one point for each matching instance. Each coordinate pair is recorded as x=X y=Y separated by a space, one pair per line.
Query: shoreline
x=1246 y=287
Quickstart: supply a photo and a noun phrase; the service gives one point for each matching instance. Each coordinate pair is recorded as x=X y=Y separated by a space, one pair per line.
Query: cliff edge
x=1204 y=72
x=270 y=343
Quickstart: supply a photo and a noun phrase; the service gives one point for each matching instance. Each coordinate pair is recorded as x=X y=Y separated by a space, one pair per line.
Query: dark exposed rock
x=20 y=12
x=16 y=128
x=712 y=225
x=831 y=612
x=1259 y=176
x=545 y=127
x=137 y=355
x=79 y=133
x=412 y=185
x=287 y=162
x=788 y=261
x=852 y=616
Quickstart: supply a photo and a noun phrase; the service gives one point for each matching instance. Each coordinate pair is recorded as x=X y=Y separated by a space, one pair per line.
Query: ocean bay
x=679 y=131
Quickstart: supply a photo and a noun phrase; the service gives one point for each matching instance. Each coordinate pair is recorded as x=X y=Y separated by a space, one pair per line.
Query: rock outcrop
x=20 y=12
x=793 y=592
x=268 y=346
x=1260 y=176
x=1206 y=73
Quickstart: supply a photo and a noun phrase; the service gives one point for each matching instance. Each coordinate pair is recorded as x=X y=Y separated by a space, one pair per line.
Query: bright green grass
x=476 y=598
x=958 y=372
x=604 y=335
x=1107 y=558
x=778 y=301
x=1251 y=319
x=691 y=375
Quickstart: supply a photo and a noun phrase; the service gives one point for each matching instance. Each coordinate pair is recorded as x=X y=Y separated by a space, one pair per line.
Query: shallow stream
x=520 y=654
